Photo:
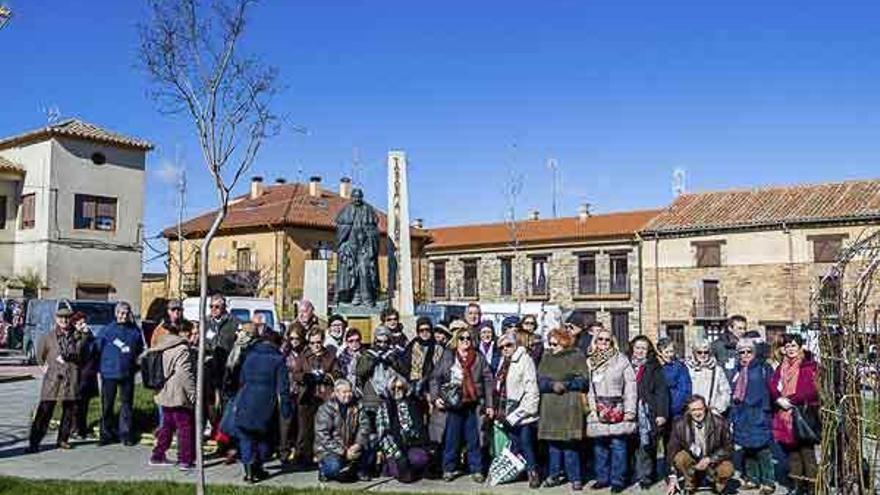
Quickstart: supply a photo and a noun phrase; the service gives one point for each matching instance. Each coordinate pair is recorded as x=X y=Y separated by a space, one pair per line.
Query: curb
x=15 y=378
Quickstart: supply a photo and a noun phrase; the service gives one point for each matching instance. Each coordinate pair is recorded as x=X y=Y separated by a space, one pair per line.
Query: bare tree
x=190 y=52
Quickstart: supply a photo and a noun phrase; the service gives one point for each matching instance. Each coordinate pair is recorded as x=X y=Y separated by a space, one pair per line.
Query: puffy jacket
x=179 y=389
x=264 y=389
x=339 y=427
x=520 y=406
x=751 y=416
x=678 y=381
x=120 y=346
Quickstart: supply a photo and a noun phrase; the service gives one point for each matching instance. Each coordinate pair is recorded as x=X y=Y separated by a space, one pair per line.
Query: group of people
x=458 y=395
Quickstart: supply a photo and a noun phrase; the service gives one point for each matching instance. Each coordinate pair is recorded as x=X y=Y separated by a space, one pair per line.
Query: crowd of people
x=568 y=404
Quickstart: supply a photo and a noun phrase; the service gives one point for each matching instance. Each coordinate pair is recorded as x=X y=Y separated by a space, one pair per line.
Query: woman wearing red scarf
x=794 y=385
x=461 y=385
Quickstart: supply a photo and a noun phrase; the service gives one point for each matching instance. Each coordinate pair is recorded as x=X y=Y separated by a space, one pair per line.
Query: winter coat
x=220 y=336
x=90 y=364
x=440 y=376
x=520 y=406
x=492 y=356
x=389 y=361
x=724 y=350
x=232 y=372
x=710 y=383
x=562 y=415
x=62 y=378
x=335 y=432
x=263 y=390
x=751 y=417
x=120 y=346
x=314 y=375
x=678 y=381
x=398 y=337
x=400 y=426
x=615 y=378
x=430 y=351
x=654 y=392
x=718 y=443
x=347 y=362
x=806 y=394
x=179 y=389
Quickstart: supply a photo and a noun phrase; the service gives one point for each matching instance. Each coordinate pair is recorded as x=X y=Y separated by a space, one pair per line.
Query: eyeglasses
x=554 y=344
x=743 y=353
x=464 y=338
x=216 y=306
x=602 y=339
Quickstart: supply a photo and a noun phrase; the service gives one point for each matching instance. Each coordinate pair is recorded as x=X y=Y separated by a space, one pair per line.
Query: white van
x=243 y=308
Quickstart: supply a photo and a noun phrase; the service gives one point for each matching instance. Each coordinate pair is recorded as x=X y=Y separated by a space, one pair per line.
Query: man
x=473 y=315
x=306 y=319
x=119 y=345
x=391 y=321
x=220 y=336
x=357 y=248
x=724 y=348
x=260 y=325
x=58 y=353
x=173 y=323
x=342 y=435
x=699 y=447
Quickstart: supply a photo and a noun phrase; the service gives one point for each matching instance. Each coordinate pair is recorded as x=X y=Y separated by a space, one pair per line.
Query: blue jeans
x=253 y=449
x=522 y=442
x=610 y=458
x=567 y=451
x=460 y=423
x=331 y=465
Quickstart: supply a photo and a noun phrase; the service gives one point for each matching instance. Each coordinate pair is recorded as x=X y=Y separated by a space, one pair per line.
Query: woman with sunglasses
x=517 y=396
x=401 y=432
x=707 y=378
x=528 y=336
x=292 y=348
x=314 y=372
x=562 y=379
x=461 y=386
x=613 y=411
x=750 y=415
x=653 y=408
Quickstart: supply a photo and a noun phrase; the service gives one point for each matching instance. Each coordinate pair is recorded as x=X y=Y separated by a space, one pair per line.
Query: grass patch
x=20 y=486
x=146 y=415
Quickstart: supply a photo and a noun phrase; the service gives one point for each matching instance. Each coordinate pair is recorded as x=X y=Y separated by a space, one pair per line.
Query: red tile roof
x=278 y=206
x=566 y=229
x=10 y=167
x=841 y=201
x=77 y=129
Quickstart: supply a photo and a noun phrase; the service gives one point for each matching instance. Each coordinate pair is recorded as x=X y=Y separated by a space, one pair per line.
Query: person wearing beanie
x=336 y=328
x=419 y=356
x=510 y=324
x=487 y=346
x=377 y=366
x=579 y=325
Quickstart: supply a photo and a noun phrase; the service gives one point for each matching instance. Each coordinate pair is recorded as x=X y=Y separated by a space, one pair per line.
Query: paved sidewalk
x=89 y=462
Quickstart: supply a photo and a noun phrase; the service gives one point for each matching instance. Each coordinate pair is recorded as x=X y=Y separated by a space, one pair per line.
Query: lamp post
x=5 y=15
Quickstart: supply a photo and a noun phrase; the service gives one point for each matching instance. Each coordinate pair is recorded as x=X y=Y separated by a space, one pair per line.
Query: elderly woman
x=350 y=355
x=401 y=432
x=678 y=381
x=487 y=345
x=794 y=385
x=613 y=401
x=530 y=338
x=653 y=407
x=461 y=387
x=707 y=378
x=419 y=356
x=750 y=416
x=562 y=379
x=516 y=390
x=291 y=349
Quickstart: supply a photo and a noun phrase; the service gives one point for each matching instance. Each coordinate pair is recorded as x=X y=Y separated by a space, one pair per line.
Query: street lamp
x=5 y=15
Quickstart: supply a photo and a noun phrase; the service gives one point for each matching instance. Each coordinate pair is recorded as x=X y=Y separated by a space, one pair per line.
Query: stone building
x=759 y=253
x=587 y=263
x=263 y=243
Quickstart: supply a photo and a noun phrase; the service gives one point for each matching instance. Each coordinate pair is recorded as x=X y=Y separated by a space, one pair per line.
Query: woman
x=291 y=349
x=707 y=378
x=401 y=432
x=653 y=407
x=562 y=380
x=336 y=331
x=88 y=382
x=419 y=356
x=531 y=339
x=176 y=399
x=264 y=390
x=487 y=345
x=678 y=381
x=461 y=387
x=613 y=401
x=794 y=385
x=516 y=390
x=350 y=355
x=314 y=372
x=750 y=415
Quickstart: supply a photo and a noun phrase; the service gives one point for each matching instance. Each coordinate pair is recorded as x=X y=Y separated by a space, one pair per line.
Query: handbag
x=807 y=429
x=609 y=410
x=450 y=394
x=506 y=467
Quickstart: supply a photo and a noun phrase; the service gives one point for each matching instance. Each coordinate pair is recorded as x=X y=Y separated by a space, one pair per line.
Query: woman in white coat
x=707 y=378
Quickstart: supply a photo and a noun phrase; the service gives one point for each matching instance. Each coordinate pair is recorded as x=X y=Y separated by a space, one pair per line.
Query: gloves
x=784 y=403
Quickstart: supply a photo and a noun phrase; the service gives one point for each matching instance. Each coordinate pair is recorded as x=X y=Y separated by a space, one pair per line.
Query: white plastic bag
x=506 y=467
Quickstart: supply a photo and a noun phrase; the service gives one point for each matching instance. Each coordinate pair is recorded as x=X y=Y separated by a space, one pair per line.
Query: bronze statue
x=357 y=251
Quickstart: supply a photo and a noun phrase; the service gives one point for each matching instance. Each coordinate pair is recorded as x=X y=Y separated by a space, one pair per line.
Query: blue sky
x=620 y=93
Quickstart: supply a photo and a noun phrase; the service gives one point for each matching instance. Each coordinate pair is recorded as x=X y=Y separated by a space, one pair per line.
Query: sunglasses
x=464 y=338
x=701 y=353
x=175 y=309
x=352 y=341
x=381 y=341
x=391 y=318
x=216 y=306
x=554 y=344
x=603 y=339
x=743 y=353
x=508 y=346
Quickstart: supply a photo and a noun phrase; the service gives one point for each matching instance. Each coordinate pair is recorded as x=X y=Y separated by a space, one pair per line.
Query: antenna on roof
x=5 y=15
x=53 y=114
x=679 y=185
x=355 y=165
x=554 y=170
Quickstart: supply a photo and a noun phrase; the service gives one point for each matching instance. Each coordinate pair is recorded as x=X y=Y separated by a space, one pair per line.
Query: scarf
x=501 y=380
x=468 y=385
x=419 y=352
x=382 y=373
x=789 y=380
x=698 y=366
x=67 y=344
x=597 y=359
x=639 y=367
x=742 y=383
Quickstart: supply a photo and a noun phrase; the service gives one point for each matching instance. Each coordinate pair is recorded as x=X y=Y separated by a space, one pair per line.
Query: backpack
x=153 y=369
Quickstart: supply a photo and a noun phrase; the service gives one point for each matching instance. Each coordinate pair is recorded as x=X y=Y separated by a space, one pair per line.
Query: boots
x=248 y=474
x=258 y=474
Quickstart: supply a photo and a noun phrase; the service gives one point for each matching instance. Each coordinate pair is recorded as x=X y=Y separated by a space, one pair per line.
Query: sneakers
x=478 y=478
x=577 y=486
x=768 y=490
x=64 y=446
x=554 y=481
x=160 y=462
x=186 y=468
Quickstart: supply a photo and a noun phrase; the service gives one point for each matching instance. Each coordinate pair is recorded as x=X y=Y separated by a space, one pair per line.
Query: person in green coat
x=563 y=378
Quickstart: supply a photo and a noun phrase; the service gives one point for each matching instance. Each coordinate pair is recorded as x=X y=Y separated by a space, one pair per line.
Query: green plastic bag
x=500 y=440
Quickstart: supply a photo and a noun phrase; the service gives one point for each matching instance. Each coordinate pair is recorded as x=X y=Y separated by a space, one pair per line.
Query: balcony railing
x=586 y=286
x=710 y=309
x=189 y=282
x=230 y=282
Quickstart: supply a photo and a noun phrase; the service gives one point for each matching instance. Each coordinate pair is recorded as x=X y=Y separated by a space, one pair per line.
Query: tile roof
x=279 y=205
x=10 y=167
x=840 y=201
x=566 y=229
x=77 y=129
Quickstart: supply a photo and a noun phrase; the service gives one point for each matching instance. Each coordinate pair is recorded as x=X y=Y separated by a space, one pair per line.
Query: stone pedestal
x=398 y=234
x=315 y=286
x=364 y=318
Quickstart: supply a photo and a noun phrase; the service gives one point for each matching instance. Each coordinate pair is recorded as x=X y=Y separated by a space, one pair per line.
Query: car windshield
x=97 y=313
x=270 y=321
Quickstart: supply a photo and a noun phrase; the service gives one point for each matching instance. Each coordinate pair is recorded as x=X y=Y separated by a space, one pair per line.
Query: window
x=506 y=276
x=539 y=276
x=713 y=331
x=94 y=212
x=829 y=296
x=588 y=314
x=2 y=212
x=708 y=254
x=94 y=292
x=439 y=279
x=675 y=333
x=99 y=158
x=826 y=249
x=620 y=328
x=619 y=273
x=243 y=259
x=710 y=304
x=28 y=211
x=471 y=283
x=587 y=274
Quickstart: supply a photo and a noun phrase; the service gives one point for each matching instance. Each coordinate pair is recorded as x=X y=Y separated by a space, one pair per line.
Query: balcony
x=189 y=282
x=594 y=288
x=710 y=309
x=230 y=283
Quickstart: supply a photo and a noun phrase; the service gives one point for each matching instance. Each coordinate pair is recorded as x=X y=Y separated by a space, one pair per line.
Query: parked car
x=40 y=319
x=441 y=312
x=243 y=308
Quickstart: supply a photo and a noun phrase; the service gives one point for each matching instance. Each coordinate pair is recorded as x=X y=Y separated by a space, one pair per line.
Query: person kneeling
x=400 y=428
x=700 y=447
x=342 y=434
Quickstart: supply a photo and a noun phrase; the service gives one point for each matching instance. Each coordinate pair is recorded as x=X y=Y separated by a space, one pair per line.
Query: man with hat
x=442 y=335
x=59 y=352
x=173 y=323
x=582 y=329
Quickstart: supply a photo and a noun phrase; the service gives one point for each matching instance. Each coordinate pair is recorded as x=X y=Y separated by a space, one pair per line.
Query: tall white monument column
x=398 y=234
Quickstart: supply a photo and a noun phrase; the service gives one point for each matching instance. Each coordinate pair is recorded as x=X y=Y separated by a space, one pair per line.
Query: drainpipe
x=641 y=284
x=657 y=277
x=791 y=277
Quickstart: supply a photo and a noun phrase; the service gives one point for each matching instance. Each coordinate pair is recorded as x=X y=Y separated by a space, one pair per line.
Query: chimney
x=281 y=181
x=256 y=187
x=345 y=187
x=315 y=186
x=534 y=215
x=418 y=223
x=584 y=212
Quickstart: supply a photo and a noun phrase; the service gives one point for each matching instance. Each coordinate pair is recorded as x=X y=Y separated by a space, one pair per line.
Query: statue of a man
x=357 y=251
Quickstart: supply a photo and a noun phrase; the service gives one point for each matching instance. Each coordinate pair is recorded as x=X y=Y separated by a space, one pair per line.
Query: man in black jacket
x=700 y=447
